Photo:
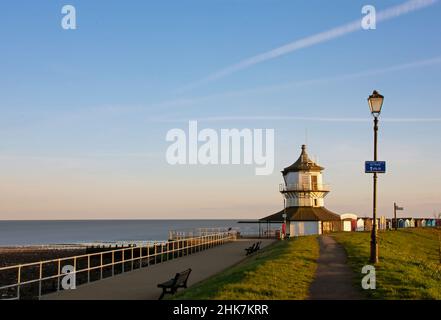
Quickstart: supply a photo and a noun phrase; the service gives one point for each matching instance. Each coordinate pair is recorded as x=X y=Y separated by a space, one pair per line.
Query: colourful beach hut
x=360 y=224
x=349 y=221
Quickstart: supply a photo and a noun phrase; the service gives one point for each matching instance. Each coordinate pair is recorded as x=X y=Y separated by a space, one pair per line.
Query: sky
x=85 y=112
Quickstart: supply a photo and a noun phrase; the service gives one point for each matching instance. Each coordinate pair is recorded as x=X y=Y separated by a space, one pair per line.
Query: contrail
x=387 y=14
x=291 y=118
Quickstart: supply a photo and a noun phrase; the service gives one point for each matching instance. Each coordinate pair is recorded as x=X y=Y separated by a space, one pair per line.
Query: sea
x=61 y=232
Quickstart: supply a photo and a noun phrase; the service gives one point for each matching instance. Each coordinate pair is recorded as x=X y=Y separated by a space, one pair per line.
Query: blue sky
x=85 y=112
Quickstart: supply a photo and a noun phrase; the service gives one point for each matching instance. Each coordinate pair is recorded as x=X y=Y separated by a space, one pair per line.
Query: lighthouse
x=304 y=192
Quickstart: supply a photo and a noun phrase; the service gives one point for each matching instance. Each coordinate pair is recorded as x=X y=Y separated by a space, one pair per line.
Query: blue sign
x=375 y=167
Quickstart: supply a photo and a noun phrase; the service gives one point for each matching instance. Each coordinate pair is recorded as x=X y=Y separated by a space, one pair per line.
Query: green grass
x=409 y=266
x=283 y=270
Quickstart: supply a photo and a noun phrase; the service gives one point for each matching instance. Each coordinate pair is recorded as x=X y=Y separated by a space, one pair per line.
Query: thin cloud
x=387 y=14
x=281 y=86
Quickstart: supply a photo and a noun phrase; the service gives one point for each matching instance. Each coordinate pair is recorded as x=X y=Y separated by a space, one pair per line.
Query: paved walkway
x=334 y=279
x=141 y=284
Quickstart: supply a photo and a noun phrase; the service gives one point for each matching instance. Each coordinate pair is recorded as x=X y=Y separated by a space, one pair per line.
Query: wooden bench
x=250 y=250
x=172 y=285
x=255 y=247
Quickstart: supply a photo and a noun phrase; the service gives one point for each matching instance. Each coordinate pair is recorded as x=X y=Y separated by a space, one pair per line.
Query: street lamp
x=375 y=101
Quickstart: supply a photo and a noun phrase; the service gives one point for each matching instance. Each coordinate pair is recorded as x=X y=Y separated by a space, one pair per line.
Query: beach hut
x=389 y=224
x=367 y=224
x=349 y=221
x=383 y=223
x=401 y=223
x=360 y=224
x=303 y=191
x=418 y=222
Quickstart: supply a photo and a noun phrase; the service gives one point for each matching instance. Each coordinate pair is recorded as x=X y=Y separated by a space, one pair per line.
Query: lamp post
x=375 y=102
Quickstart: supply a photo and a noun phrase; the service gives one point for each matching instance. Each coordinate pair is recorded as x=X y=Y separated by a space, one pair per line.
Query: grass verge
x=283 y=270
x=409 y=266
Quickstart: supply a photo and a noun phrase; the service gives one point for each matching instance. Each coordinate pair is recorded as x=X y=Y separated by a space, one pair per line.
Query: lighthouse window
x=315 y=202
x=305 y=182
x=314 y=182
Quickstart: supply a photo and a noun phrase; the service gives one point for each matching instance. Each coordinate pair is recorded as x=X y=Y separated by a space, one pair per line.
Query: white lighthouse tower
x=303 y=185
x=304 y=192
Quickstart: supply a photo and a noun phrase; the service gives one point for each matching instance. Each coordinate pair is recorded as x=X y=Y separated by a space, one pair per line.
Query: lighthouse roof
x=303 y=163
x=303 y=214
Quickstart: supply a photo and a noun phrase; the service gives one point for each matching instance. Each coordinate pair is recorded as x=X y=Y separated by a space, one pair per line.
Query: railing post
x=101 y=264
x=88 y=268
x=155 y=251
x=59 y=274
x=113 y=263
x=132 y=258
x=123 y=251
x=18 y=282
x=39 y=280
x=75 y=266
x=140 y=256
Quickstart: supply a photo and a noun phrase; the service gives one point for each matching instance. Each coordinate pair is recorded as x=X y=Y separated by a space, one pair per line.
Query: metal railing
x=264 y=234
x=127 y=259
x=319 y=187
x=198 y=232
